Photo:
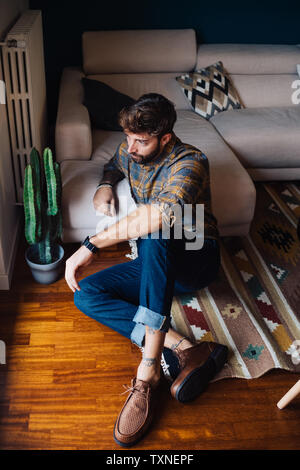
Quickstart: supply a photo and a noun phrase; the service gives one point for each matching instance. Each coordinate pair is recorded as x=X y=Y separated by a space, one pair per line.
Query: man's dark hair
x=151 y=113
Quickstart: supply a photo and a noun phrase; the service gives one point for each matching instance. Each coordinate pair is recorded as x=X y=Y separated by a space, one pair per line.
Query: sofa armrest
x=73 y=135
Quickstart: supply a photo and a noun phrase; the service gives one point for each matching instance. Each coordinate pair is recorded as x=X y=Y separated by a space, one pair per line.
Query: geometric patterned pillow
x=210 y=90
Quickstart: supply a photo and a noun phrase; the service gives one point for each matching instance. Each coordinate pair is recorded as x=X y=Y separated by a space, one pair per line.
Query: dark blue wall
x=215 y=21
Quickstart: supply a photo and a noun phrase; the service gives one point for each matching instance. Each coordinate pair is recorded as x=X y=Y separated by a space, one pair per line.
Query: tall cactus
x=42 y=204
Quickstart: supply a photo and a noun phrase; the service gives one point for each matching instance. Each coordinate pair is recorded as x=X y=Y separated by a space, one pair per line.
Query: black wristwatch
x=90 y=245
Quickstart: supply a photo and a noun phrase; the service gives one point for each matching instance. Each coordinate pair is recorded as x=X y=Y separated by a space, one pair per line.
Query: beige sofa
x=260 y=142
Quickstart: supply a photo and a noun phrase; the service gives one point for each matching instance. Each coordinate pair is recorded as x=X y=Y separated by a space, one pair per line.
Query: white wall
x=11 y=215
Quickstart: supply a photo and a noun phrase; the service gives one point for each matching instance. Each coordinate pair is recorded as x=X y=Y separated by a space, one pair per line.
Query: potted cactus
x=43 y=220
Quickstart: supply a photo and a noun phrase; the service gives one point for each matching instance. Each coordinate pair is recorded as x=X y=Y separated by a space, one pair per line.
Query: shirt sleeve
x=113 y=167
x=187 y=184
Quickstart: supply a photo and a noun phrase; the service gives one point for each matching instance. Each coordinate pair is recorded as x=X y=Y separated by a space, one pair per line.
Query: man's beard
x=146 y=158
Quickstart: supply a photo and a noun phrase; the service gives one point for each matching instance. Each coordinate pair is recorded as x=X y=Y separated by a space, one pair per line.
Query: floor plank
x=62 y=383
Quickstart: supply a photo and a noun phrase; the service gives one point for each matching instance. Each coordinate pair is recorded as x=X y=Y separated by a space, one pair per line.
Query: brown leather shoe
x=198 y=365
x=136 y=414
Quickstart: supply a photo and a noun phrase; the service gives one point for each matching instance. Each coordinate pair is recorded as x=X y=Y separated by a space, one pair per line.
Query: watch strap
x=89 y=245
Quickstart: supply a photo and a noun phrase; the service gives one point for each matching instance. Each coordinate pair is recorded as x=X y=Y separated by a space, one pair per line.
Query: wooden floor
x=62 y=382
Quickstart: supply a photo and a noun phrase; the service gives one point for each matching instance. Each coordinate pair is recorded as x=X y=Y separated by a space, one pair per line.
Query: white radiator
x=24 y=75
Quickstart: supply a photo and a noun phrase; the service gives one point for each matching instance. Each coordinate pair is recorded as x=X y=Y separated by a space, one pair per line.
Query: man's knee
x=81 y=295
x=78 y=299
x=87 y=290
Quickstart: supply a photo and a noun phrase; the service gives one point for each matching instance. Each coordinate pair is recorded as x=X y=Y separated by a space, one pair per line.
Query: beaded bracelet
x=108 y=185
x=175 y=346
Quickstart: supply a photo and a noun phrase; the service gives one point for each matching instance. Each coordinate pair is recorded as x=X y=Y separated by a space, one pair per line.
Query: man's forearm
x=145 y=219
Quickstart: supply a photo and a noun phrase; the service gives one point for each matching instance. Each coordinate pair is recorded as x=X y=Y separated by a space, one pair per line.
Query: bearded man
x=135 y=298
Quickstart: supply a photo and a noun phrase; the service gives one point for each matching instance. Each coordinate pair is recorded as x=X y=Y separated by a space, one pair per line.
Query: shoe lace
x=129 y=389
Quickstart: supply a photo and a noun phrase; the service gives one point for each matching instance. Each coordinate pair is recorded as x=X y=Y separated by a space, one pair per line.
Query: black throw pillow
x=104 y=104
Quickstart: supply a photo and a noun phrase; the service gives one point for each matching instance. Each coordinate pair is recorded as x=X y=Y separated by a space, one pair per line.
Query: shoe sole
x=122 y=444
x=130 y=444
x=197 y=380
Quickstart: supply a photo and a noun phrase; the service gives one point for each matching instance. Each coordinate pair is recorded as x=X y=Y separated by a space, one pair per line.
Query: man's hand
x=82 y=257
x=105 y=201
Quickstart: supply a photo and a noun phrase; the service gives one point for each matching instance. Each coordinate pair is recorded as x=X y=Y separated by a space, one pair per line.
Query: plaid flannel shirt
x=179 y=175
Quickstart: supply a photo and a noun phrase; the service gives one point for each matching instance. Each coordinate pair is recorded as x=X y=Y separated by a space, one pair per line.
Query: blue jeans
x=130 y=295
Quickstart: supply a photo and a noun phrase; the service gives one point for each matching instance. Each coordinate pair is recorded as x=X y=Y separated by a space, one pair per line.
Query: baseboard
x=5 y=279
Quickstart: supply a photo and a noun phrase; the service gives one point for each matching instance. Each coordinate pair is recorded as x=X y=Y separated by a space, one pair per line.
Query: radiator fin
x=24 y=74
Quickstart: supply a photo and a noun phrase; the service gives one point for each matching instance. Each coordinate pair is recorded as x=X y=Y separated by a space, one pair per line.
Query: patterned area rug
x=254 y=305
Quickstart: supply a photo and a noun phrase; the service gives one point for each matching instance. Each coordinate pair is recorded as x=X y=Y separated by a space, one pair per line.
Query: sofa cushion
x=139 y=51
x=262 y=137
x=104 y=104
x=79 y=181
x=137 y=84
x=251 y=59
x=209 y=90
x=262 y=73
x=264 y=90
x=105 y=144
x=232 y=190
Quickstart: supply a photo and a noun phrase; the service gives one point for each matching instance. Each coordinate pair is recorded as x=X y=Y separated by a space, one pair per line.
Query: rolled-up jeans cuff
x=147 y=317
